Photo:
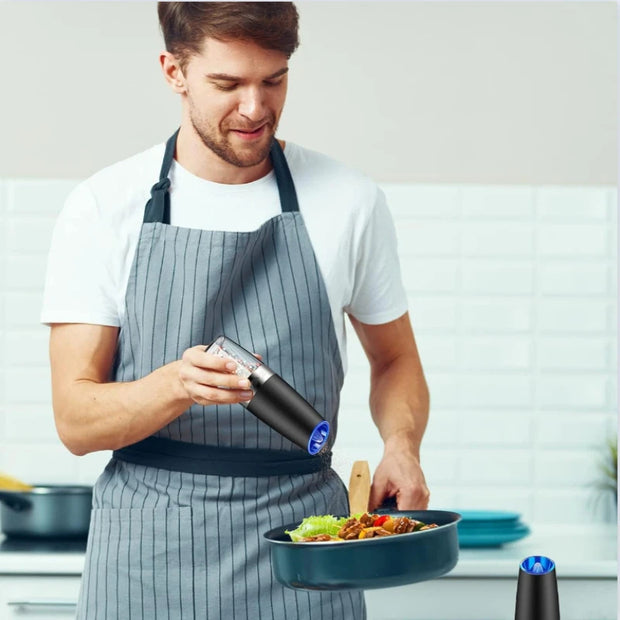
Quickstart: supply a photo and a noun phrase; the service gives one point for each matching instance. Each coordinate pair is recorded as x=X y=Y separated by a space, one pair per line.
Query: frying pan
x=380 y=562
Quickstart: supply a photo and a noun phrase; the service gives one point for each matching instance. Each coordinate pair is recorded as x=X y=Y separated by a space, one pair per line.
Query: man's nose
x=252 y=104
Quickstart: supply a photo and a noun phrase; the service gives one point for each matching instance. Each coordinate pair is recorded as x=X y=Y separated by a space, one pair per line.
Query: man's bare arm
x=399 y=404
x=92 y=412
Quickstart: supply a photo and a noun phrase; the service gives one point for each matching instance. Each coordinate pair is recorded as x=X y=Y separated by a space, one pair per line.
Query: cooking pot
x=46 y=511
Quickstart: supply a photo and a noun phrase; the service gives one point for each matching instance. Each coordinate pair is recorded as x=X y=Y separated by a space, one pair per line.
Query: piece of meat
x=367 y=519
x=318 y=538
x=350 y=530
x=404 y=525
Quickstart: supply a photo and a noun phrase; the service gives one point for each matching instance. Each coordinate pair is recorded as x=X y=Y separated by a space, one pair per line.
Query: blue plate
x=481 y=516
x=492 y=528
x=492 y=538
x=489 y=527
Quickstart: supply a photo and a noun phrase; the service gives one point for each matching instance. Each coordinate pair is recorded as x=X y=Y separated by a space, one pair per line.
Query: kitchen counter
x=578 y=551
x=36 y=557
x=482 y=586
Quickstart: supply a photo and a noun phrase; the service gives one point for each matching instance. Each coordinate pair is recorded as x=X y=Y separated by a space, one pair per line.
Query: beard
x=218 y=142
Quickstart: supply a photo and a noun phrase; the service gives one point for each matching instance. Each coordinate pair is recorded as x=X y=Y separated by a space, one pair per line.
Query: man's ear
x=172 y=71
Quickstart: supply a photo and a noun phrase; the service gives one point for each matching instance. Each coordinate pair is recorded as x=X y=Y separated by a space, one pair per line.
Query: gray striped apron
x=173 y=541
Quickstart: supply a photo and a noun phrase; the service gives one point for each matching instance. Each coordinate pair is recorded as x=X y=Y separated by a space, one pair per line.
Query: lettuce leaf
x=311 y=526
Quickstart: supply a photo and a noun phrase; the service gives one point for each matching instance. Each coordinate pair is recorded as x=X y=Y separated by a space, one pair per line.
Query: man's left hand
x=399 y=474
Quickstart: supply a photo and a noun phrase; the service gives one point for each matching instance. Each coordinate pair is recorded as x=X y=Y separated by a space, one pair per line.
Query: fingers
x=209 y=379
x=409 y=495
x=221 y=379
x=416 y=498
x=197 y=356
x=207 y=395
x=377 y=496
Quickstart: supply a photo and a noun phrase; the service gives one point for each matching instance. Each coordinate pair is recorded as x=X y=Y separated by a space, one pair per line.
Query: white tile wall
x=512 y=295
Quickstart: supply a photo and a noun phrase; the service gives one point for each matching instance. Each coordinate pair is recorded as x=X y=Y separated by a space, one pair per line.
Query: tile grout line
x=535 y=445
x=5 y=188
x=459 y=329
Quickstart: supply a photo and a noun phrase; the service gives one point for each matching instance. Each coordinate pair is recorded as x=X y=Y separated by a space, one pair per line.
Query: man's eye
x=273 y=83
x=225 y=87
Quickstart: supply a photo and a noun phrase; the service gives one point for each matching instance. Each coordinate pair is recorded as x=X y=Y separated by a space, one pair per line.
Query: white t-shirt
x=348 y=222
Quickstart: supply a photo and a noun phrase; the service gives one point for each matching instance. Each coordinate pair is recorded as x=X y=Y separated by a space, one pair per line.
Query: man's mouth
x=250 y=134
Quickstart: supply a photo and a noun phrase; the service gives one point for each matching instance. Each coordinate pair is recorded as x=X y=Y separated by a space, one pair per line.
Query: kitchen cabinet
x=40 y=579
x=478 y=598
x=40 y=597
x=45 y=597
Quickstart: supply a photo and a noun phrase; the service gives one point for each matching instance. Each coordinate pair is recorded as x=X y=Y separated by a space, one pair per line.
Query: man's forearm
x=399 y=403
x=93 y=416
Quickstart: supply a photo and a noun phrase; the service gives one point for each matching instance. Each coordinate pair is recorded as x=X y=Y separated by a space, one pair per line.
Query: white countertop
x=584 y=551
x=588 y=551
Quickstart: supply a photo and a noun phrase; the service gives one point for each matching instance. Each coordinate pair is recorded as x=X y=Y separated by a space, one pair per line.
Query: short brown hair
x=185 y=25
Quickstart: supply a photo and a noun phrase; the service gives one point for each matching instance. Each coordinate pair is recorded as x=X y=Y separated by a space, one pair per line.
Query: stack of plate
x=490 y=528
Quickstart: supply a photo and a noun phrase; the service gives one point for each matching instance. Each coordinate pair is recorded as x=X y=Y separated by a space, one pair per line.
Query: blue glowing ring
x=318 y=437
x=537 y=565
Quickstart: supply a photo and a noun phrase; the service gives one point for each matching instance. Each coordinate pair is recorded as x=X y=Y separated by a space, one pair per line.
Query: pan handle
x=16 y=502
x=388 y=505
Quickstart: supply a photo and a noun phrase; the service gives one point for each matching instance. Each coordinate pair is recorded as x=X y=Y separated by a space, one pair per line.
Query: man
x=267 y=243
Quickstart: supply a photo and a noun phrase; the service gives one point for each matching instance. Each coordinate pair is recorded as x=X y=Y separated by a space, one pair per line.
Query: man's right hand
x=211 y=380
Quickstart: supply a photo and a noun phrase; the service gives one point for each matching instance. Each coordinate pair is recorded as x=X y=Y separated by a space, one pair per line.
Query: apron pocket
x=139 y=564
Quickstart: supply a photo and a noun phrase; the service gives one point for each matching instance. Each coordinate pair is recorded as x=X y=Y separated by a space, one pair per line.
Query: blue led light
x=537 y=565
x=318 y=437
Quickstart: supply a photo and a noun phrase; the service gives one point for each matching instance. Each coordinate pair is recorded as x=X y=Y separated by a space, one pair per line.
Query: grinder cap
x=318 y=437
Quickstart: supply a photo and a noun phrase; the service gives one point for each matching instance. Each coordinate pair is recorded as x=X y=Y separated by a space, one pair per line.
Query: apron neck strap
x=286 y=187
x=157 y=209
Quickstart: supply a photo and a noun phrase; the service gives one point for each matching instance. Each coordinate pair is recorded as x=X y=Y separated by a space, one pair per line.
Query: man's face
x=235 y=95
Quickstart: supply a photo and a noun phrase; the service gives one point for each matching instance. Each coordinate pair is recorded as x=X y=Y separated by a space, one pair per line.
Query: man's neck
x=201 y=161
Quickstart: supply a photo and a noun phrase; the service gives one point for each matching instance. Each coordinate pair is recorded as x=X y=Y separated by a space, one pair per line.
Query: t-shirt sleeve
x=378 y=295
x=79 y=283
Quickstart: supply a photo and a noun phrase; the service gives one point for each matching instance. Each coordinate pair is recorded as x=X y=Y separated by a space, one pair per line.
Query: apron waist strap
x=194 y=458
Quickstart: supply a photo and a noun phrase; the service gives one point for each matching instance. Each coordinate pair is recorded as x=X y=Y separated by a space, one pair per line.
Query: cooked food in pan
x=328 y=528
